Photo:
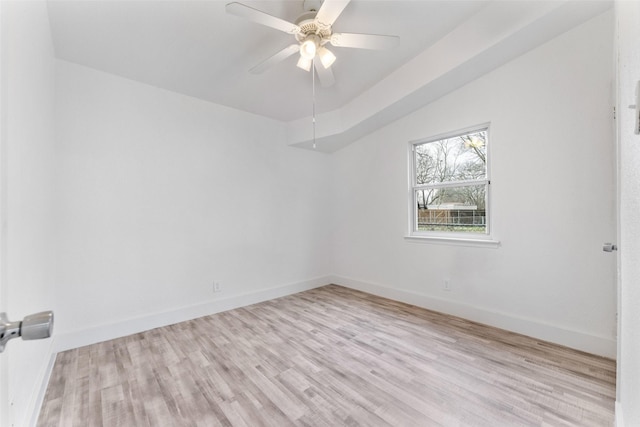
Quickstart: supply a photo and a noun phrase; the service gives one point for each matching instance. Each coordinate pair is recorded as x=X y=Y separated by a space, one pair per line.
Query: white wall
x=552 y=195
x=27 y=175
x=160 y=194
x=628 y=32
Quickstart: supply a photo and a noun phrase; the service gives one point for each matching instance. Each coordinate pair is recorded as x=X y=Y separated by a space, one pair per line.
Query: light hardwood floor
x=329 y=357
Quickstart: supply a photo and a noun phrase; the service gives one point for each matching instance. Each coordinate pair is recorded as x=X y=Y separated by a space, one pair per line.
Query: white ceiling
x=195 y=48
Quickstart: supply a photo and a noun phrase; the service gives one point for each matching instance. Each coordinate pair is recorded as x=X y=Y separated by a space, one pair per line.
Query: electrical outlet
x=446 y=285
x=216 y=286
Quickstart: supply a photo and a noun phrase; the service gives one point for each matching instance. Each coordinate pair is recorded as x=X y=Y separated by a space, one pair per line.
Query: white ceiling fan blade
x=330 y=10
x=364 y=41
x=271 y=61
x=261 y=17
x=325 y=75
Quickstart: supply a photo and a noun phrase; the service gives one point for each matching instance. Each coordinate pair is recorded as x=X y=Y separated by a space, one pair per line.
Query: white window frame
x=450 y=237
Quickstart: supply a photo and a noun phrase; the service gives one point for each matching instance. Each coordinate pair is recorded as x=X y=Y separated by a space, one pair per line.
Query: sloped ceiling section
x=197 y=49
x=498 y=33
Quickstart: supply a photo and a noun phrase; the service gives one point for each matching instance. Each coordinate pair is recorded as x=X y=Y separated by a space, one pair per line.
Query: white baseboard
x=619 y=419
x=39 y=396
x=601 y=346
x=81 y=338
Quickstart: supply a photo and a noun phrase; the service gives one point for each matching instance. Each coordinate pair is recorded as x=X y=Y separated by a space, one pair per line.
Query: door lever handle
x=609 y=247
x=32 y=327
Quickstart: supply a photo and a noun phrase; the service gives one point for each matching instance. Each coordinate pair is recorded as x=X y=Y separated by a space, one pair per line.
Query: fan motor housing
x=308 y=25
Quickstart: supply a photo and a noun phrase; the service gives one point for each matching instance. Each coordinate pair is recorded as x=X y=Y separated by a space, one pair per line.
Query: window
x=450 y=185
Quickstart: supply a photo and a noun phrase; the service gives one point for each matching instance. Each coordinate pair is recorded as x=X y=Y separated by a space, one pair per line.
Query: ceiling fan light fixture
x=309 y=47
x=313 y=29
x=327 y=58
x=304 y=63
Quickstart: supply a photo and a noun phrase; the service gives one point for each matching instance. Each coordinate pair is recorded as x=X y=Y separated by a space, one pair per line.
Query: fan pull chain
x=313 y=97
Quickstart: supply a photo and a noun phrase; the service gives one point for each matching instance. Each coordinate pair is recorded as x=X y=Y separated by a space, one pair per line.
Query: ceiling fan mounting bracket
x=311 y=5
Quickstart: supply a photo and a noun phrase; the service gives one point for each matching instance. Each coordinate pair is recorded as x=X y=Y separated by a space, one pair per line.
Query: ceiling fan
x=313 y=32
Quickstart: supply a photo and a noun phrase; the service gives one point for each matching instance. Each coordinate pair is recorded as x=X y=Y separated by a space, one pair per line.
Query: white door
x=4 y=363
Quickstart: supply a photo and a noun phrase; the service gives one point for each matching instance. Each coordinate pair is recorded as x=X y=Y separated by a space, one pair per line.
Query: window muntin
x=450 y=184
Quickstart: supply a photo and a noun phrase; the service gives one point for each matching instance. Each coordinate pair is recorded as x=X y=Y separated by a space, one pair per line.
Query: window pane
x=460 y=209
x=459 y=158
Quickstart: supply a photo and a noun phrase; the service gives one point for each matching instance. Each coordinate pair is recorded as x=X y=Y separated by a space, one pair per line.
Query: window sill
x=457 y=241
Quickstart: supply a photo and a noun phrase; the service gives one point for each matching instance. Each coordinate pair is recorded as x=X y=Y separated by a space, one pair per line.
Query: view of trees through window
x=450 y=183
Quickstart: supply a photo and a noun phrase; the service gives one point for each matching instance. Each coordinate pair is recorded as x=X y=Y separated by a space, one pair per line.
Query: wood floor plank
x=331 y=356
